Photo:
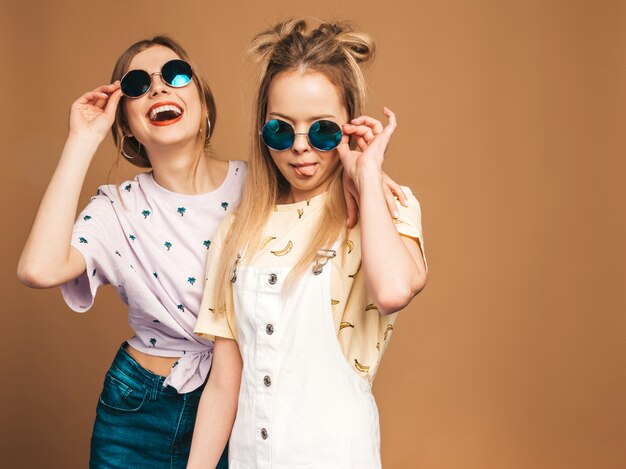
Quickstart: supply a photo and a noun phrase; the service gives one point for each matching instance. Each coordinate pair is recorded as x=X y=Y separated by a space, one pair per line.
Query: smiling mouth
x=165 y=114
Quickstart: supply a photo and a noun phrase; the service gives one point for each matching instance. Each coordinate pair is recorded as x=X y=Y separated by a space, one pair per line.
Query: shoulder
x=235 y=178
x=225 y=225
x=239 y=168
x=128 y=191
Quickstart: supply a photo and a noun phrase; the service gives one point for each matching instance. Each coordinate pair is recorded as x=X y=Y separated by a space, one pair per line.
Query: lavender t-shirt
x=152 y=249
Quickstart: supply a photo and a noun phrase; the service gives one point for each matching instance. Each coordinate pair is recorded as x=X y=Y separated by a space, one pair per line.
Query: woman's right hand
x=48 y=259
x=92 y=114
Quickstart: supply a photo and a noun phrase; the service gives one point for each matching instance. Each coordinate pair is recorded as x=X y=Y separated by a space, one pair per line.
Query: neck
x=173 y=169
x=295 y=195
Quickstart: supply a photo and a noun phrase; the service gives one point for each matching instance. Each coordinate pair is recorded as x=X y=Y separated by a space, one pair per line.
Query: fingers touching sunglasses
x=279 y=135
x=175 y=73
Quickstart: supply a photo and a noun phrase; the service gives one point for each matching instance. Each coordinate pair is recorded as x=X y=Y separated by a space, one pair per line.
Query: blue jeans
x=139 y=423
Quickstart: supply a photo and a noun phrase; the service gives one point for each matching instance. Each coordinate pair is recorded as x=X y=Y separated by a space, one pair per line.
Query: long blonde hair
x=335 y=50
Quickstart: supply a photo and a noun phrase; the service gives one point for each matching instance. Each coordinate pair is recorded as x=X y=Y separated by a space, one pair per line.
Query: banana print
x=357 y=270
x=350 y=246
x=398 y=221
x=334 y=302
x=361 y=368
x=378 y=346
x=284 y=250
x=389 y=328
x=345 y=324
x=371 y=307
x=267 y=240
x=300 y=213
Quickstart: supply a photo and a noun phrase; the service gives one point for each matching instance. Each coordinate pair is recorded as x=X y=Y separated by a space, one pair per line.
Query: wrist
x=80 y=149
x=82 y=144
x=369 y=175
x=84 y=139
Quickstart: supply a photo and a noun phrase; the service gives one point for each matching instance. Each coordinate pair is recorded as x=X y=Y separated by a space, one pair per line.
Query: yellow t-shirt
x=362 y=331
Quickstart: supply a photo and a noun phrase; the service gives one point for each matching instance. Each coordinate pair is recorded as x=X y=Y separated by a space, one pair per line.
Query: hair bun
x=264 y=43
x=360 y=46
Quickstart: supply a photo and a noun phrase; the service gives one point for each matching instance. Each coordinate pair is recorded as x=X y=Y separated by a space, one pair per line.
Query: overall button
x=267 y=381
x=269 y=329
x=272 y=279
x=264 y=433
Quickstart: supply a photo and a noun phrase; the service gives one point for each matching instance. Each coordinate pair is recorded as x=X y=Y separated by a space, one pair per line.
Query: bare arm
x=48 y=260
x=393 y=266
x=218 y=406
x=390 y=187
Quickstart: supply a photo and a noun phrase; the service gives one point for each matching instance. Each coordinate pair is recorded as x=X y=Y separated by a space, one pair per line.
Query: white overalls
x=301 y=404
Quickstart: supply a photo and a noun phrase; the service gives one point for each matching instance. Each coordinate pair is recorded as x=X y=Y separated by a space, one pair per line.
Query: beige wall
x=511 y=133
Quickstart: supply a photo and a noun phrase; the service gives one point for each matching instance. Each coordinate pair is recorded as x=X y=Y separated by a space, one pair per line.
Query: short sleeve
x=213 y=320
x=409 y=221
x=93 y=235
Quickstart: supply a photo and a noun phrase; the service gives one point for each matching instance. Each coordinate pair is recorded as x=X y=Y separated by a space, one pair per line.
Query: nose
x=158 y=87
x=301 y=143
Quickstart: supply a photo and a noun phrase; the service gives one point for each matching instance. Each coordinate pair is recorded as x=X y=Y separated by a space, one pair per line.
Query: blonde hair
x=131 y=146
x=335 y=50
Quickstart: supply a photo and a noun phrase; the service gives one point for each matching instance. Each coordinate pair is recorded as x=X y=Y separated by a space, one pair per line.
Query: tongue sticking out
x=308 y=170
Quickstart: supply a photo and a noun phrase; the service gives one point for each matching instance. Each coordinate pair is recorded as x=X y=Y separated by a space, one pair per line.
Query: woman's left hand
x=372 y=140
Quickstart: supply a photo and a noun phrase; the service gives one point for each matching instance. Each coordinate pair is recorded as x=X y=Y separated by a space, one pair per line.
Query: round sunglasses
x=279 y=135
x=175 y=73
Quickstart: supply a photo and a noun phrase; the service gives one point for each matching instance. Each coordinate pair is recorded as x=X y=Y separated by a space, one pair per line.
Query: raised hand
x=365 y=130
x=92 y=114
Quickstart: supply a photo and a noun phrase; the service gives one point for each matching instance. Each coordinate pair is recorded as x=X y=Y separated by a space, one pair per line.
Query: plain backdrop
x=511 y=134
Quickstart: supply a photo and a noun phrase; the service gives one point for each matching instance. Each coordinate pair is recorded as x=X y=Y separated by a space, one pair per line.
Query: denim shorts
x=139 y=423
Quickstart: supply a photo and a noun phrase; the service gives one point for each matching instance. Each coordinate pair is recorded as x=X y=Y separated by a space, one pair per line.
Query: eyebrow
x=314 y=118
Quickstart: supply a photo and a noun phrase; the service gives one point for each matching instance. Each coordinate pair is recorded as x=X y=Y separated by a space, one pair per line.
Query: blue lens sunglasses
x=279 y=135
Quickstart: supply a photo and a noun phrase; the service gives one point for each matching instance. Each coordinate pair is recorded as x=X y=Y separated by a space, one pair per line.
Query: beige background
x=511 y=133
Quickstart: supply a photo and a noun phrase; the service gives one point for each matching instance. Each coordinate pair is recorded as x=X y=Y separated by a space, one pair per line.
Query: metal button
x=267 y=381
x=264 y=433
x=273 y=279
x=269 y=329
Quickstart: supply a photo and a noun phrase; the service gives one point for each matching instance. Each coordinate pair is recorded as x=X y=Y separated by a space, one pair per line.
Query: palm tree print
x=191 y=280
x=182 y=211
x=127 y=188
x=132 y=237
x=168 y=245
x=118 y=253
x=145 y=213
x=83 y=240
x=156 y=320
x=155 y=275
x=93 y=274
x=153 y=341
x=181 y=307
x=86 y=217
x=224 y=205
x=206 y=243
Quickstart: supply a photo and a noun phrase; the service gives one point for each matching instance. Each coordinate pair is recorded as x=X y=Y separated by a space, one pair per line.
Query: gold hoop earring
x=122 y=149
x=208 y=131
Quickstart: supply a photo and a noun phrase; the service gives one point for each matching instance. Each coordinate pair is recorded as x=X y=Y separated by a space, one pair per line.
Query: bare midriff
x=161 y=366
